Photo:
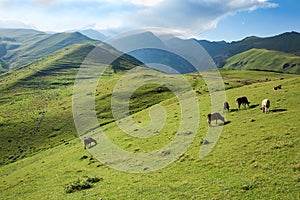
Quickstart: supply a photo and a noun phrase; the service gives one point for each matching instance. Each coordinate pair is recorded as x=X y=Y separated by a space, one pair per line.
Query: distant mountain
x=220 y=51
x=168 y=54
x=20 y=47
x=93 y=34
x=186 y=57
x=262 y=59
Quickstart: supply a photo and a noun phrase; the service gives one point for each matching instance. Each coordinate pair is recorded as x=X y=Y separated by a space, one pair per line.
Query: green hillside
x=288 y=42
x=257 y=156
x=261 y=59
x=36 y=100
x=19 y=47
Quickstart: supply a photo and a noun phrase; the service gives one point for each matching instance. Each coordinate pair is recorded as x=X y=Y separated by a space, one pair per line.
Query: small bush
x=82 y=184
x=77 y=186
x=93 y=179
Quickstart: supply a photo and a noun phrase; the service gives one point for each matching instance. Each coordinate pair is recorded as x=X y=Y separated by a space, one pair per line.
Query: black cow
x=242 y=101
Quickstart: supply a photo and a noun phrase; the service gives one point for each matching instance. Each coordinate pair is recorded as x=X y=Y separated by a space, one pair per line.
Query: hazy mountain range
x=19 y=47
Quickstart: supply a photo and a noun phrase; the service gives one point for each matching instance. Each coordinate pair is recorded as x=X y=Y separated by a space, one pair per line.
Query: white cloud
x=15 y=24
x=189 y=16
x=194 y=16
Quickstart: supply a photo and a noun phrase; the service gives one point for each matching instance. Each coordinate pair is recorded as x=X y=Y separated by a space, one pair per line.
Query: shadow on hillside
x=242 y=108
x=227 y=122
x=91 y=146
x=253 y=106
x=278 y=110
x=220 y=124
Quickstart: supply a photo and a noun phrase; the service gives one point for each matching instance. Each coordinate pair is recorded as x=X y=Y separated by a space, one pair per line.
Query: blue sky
x=204 y=19
x=262 y=22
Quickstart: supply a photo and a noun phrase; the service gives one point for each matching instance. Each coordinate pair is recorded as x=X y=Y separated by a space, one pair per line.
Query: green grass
x=261 y=59
x=20 y=47
x=36 y=101
x=256 y=157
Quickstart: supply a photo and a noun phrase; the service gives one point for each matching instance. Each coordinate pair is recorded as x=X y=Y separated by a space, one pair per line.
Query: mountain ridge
x=19 y=47
x=288 y=42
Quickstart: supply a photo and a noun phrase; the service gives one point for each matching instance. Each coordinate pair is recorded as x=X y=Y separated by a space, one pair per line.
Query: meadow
x=256 y=156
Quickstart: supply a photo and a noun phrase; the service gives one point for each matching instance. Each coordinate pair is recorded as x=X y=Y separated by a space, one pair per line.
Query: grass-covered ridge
x=257 y=156
x=261 y=59
x=19 y=47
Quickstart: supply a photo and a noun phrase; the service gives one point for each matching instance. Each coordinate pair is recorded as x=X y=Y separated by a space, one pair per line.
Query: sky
x=216 y=20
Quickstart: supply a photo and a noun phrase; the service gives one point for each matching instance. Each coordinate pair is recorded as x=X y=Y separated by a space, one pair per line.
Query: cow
x=226 y=106
x=214 y=116
x=278 y=87
x=89 y=141
x=265 y=106
x=242 y=101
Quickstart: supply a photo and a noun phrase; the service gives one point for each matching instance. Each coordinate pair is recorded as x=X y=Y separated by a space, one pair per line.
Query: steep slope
x=286 y=42
x=19 y=47
x=36 y=100
x=31 y=100
x=261 y=59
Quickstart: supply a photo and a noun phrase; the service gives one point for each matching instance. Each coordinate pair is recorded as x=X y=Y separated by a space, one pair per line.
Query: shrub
x=77 y=186
x=93 y=179
x=82 y=184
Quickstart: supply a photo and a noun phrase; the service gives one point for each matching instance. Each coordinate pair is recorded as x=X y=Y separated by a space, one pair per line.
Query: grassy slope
x=257 y=156
x=20 y=47
x=36 y=100
x=32 y=98
x=261 y=59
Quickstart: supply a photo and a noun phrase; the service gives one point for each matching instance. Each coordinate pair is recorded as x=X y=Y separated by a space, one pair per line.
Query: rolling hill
x=261 y=59
x=42 y=157
x=36 y=99
x=256 y=156
x=19 y=47
x=220 y=51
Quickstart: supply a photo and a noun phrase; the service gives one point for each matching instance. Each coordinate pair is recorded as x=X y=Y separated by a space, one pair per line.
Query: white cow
x=265 y=106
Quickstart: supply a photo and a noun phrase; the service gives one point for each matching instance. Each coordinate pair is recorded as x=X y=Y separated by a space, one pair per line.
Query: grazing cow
x=214 y=116
x=278 y=87
x=242 y=101
x=226 y=106
x=265 y=106
x=88 y=141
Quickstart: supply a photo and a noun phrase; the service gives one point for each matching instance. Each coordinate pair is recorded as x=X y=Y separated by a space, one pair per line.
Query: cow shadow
x=244 y=108
x=253 y=106
x=220 y=124
x=278 y=110
x=227 y=122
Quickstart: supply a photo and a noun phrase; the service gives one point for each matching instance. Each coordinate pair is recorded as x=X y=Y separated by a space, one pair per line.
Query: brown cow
x=88 y=141
x=214 y=116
